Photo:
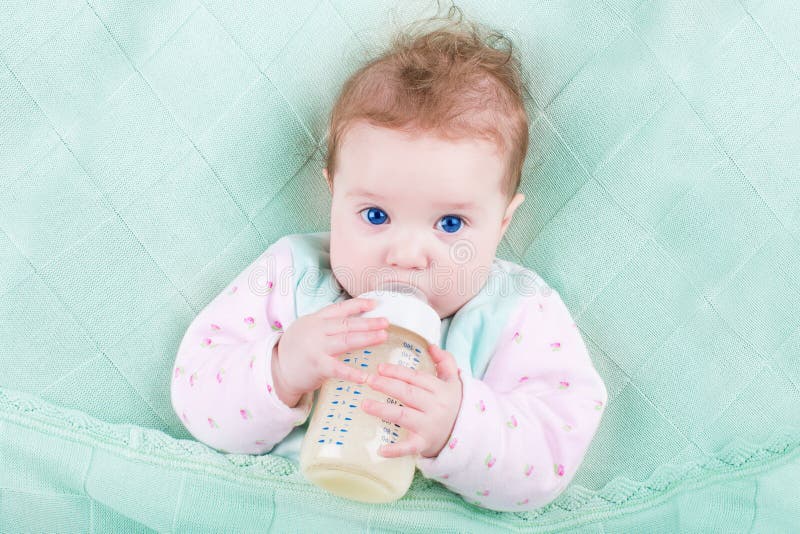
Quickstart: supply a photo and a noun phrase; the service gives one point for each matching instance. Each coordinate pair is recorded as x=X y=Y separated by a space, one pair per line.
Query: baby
x=425 y=152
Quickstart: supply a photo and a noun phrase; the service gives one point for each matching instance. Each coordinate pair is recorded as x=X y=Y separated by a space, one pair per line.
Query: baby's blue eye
x=451 y=223
x=374 y=215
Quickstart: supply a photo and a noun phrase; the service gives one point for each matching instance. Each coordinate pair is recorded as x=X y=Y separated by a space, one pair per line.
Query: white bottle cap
x=405 y=306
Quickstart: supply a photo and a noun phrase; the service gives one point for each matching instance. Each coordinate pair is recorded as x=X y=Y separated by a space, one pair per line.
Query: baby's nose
x=407 y=252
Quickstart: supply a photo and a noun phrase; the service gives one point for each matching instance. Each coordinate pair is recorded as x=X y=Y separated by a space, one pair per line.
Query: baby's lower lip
x=399 y=282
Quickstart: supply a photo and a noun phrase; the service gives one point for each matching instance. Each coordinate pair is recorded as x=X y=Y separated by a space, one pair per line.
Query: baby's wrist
x=288 y=398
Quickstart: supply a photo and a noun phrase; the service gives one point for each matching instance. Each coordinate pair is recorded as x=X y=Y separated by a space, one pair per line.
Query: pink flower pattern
x=492 y=417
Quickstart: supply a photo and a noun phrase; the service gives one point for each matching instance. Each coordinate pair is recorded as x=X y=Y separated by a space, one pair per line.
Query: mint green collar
x=471 y=334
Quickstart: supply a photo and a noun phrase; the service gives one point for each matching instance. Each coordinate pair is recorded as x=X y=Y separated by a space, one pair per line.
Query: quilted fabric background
x=150 y=151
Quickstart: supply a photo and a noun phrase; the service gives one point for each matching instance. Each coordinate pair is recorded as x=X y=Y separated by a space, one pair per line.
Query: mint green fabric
x=149 y=152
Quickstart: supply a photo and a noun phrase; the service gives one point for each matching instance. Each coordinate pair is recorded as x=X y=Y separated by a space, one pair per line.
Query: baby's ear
x=518 y=199
x=328 y=180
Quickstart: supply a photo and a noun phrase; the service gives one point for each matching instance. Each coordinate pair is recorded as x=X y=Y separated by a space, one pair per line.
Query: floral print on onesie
x=222 y=382
x=520 y=435
x=524 y=428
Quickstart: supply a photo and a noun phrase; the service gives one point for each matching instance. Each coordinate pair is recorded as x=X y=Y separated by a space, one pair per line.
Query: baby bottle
x=340 y=448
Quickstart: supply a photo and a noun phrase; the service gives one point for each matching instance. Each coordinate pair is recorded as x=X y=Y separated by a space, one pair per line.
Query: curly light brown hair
x=452 y=81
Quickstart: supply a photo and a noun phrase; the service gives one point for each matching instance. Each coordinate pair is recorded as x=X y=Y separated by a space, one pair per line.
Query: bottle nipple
x=401 y=288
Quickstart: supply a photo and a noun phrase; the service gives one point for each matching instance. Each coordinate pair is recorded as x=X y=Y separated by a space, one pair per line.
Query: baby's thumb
x=446 y=366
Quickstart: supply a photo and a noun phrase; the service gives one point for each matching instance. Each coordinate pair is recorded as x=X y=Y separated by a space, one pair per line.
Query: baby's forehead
x=394 y=163
x=363 y=133
x=381 y=149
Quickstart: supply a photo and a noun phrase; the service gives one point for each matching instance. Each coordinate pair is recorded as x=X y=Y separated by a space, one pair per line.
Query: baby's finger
x=354 y=324
x=406 y=393
x=404 y=416
x=422 y=380
x=347 y=341
x=446 y=366
x=347 y=307
x=345 y=372
x=407 y=447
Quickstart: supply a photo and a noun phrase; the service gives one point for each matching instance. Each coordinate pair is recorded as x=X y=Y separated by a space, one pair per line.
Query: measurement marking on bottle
x=341 y=409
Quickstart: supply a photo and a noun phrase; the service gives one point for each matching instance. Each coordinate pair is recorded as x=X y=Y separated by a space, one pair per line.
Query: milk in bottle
x=340 y=447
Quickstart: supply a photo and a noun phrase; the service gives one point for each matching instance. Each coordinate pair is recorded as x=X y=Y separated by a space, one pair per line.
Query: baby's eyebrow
x=456 y=205
x=439 y=205
x=466 y=206
x=363 y=193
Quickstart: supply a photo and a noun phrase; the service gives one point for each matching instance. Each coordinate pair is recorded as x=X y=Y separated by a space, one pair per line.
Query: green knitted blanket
x=150 y=151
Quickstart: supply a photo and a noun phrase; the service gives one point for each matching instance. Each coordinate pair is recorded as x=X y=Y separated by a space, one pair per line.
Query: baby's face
x=422 y=210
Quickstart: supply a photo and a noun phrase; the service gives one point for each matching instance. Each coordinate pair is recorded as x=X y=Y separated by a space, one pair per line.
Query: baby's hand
x=305 y=355
x=431 y=404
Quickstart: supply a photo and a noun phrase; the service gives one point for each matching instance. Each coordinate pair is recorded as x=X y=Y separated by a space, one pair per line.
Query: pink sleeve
x=522 y=431
x=221 y=381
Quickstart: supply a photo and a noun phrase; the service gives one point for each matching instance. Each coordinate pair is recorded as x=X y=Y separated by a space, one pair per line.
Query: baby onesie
x=532 y=400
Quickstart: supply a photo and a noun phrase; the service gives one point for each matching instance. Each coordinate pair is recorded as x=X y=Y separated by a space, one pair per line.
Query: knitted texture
x=150 y=152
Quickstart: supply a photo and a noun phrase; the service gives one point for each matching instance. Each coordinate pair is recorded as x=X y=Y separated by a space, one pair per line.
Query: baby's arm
x=523 y=430
x=222 y=385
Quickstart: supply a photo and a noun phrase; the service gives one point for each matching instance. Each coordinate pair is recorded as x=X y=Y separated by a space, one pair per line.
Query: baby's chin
x=446 y=310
